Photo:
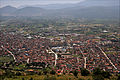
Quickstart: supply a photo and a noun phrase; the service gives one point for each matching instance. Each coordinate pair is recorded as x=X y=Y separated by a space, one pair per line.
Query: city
x=60 y=40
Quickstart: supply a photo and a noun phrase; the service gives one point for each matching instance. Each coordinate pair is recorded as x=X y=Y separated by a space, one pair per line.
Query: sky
x=18 y=3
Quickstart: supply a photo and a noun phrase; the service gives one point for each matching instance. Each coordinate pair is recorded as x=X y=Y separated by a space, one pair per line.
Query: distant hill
x=89 y=3
x=29 y=11
x=89 y=9
x=94 y=12
x=85 y=3
x=7 y=11
x=53 y=6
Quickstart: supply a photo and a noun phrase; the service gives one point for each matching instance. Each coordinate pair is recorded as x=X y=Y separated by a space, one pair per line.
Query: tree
x=40 y=72
x=18 y=74
x=84 y=72
x=99 y=74
x=52 y=72
x=23 y=79
x=59 y=55
x=75 y=73
x=97 y=71
x=106 y=74
x=45 y=72
x=31 y=78
x=118 y=77
x=9 y=74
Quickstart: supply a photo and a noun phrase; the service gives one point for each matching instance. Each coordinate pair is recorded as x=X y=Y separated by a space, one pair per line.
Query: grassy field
x=51 y=77
x=55 y=77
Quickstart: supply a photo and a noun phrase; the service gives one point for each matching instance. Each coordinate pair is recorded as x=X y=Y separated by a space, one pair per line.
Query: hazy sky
x=17 y=3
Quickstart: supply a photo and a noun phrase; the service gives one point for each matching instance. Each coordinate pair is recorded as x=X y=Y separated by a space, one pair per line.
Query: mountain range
x=86 y=9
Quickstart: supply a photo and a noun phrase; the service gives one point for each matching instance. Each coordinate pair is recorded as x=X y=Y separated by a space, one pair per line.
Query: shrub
x=88 y=79
x=80 y=79
x=50 y=78
x=98 y=77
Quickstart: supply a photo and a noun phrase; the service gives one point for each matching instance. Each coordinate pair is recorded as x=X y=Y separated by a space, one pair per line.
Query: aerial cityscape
x=67 y=41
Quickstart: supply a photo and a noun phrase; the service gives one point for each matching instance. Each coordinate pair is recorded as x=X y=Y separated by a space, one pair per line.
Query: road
x=56 y=56
x=85 y=58
x=107 y=57
x=9 y=52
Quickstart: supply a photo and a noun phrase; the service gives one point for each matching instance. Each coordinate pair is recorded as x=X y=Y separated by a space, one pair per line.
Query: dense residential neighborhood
x=61 y=51
x=59 y=40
